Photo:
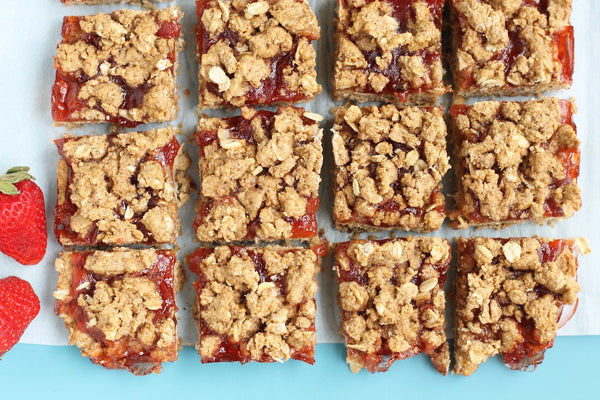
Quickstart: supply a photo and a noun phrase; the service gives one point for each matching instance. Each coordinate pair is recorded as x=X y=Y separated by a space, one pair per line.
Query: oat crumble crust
x=119 y=306
x=389 y=165
x=515 y=162
x=256 y=52
x=255 y=304
x=389 y=51
x=120 y=189
x=505 y=47
x=392 y=300
x=259 y=175
x=510 y=296
x=119 y=67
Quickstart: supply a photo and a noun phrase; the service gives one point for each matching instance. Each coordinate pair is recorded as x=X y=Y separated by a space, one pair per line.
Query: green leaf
x=8 y=188
x=16 y=175
x=17 y=169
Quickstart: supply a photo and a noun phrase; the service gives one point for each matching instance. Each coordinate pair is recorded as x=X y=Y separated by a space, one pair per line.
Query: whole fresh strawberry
x=19 y=305
x=22 y=217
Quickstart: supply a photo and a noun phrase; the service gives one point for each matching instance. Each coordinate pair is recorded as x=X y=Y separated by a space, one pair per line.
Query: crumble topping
x=119 y=188
x=120 y=262
x=256 y=52
x=259 y=175
x=118 y=67
x=123 y=308
x=389 y=167
x=389 y=51
x=515 y=161
x=510 y=295
x=119 y=306
x=506 y=47
x=392 y=299
x=258 y=300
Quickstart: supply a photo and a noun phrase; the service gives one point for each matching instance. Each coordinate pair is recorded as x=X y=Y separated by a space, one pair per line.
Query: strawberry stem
x=12 y=176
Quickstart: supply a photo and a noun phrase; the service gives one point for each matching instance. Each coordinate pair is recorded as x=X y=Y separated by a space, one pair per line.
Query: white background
x=29 y=33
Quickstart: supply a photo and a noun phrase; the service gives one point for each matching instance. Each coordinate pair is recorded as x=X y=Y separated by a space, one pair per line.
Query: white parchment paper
x=29 y=33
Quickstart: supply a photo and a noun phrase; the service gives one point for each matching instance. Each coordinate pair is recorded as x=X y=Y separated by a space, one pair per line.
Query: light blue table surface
x=52 y=372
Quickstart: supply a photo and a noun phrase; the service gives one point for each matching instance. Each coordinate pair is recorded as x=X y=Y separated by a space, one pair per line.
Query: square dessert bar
x=389 y=50
x=256 y=52
x=119 y=306
x=389 y=168
x=511 y=47
x=119 y=189
x=119 y=68
x=255 y=303
x=515 y=162
x=259 y=176
x=392 y=300
x=510 y=294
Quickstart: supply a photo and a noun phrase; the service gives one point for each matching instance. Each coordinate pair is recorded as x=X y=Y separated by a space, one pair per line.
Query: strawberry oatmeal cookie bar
x=255 y=303
x=392 y=299
x=256 y=52
x=389 y=165
x=510 y=295
x=511 y=47
x=259 y=176
x=515 y=162
x=389 y=50
x=119 y=68
x=119 y=306
x=120 y=189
